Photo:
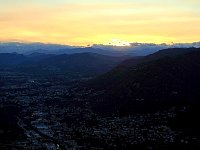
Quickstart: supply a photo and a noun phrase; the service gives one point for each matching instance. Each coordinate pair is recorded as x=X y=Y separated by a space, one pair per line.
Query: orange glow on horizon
x=74 y=23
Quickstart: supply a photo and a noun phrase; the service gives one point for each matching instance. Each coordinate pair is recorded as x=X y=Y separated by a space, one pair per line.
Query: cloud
x=142 y=49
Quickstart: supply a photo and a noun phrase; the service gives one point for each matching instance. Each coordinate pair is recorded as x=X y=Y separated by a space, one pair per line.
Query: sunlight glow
x=118 y=42
x=100 y=22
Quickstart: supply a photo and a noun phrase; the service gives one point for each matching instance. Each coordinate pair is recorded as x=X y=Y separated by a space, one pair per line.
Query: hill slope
x=122 y=70
x=158 y=84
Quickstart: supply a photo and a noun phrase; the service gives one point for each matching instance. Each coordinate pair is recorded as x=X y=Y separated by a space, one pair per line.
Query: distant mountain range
x=9 y=59
x=135 y=49
x=73 y=65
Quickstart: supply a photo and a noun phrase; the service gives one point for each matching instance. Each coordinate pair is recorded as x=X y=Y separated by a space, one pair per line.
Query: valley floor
x=55 y=113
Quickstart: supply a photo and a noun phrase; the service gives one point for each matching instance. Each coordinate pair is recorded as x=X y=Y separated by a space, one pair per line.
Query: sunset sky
x=83 y=22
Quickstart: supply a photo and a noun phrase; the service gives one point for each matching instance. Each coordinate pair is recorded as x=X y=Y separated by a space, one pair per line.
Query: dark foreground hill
x=122 y=70
x=163 y=82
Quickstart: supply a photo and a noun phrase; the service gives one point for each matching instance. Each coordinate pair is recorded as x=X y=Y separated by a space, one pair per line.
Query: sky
x=87 y=22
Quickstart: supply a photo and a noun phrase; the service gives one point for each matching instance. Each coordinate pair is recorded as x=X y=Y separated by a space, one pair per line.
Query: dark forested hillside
x=159 y=84
x=122 y=70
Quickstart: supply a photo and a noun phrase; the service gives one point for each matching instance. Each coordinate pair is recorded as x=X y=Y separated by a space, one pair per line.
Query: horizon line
x=94 y=44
